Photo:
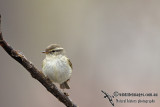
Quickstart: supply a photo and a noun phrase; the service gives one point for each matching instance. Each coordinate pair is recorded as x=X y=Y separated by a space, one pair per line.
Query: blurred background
x=113 y=45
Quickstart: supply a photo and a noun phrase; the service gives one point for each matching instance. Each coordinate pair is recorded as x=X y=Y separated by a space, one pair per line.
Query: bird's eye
x=53 y=51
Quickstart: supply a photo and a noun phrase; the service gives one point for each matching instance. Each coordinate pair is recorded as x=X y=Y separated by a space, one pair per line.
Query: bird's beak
x=43 y=51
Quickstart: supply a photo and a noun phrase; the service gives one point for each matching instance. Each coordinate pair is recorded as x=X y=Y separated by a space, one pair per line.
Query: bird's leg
x=66 y=94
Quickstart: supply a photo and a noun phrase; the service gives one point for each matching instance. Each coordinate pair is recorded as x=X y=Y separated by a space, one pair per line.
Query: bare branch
x=19 y=57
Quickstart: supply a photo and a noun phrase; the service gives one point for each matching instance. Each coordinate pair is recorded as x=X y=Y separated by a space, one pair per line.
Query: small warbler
x=56 y=66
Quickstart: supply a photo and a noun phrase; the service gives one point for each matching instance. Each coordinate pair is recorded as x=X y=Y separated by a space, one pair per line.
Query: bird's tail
x=64 y=85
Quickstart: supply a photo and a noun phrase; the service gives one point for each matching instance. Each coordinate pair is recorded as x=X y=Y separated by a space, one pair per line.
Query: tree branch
x=19 y=57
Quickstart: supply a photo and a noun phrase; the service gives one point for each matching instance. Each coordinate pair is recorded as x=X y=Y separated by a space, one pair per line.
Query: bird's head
x=53 y=49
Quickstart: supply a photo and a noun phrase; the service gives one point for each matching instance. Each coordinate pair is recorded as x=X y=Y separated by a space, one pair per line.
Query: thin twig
x=19 y=57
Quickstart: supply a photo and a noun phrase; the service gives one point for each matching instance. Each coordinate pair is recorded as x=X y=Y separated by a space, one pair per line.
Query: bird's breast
x=57 y=69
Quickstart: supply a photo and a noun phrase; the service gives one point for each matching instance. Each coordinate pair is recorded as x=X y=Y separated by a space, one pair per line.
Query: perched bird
x=56 y=66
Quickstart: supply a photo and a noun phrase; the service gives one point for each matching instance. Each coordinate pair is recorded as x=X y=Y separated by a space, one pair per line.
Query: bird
x=56 y=66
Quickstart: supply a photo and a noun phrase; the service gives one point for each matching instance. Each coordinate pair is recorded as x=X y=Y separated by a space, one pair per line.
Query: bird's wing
x=43 y=63
x=70 y=63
